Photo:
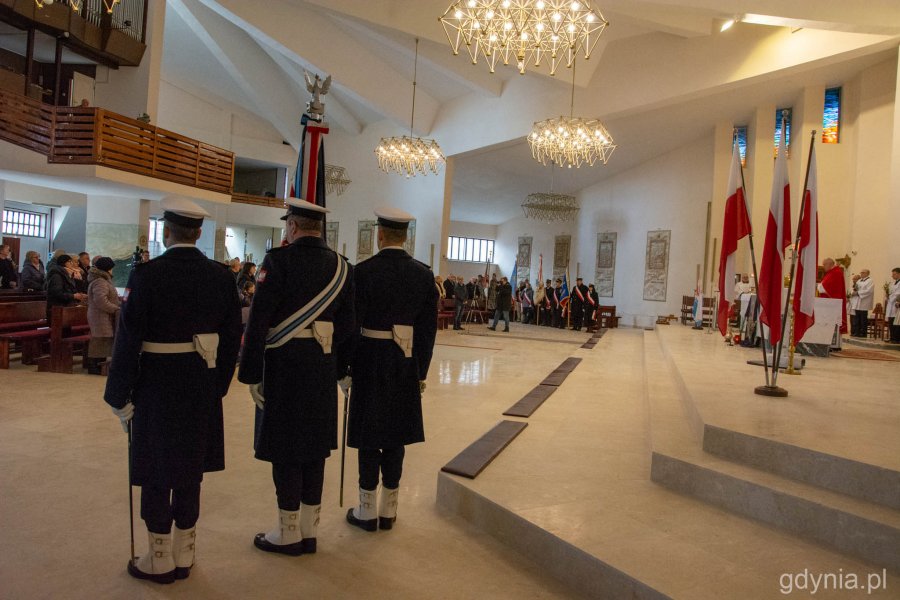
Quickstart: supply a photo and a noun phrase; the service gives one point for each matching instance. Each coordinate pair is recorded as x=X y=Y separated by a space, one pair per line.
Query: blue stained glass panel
x=831 y=117
x=740 y=134
x=785 y=114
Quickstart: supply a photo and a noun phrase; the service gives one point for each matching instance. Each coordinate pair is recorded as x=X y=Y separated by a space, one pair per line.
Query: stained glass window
x=831 y=119
x=785 y=114
x=740 y=134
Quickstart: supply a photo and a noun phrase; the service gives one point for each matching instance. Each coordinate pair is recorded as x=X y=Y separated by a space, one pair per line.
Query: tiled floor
x=580 y=470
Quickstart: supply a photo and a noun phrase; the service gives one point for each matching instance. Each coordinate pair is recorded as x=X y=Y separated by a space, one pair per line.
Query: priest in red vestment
x=834 y=286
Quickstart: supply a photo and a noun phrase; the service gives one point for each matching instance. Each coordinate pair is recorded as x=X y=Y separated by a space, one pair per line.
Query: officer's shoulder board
x=275 y=249
x=422 y=264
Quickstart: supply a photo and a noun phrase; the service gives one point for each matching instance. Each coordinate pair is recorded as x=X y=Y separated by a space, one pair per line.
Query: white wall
x=543 y=242
x=670 y=192
x=422 y=195
x=249 y=243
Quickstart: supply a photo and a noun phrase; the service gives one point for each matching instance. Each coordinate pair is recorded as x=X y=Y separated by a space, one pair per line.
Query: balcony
x=94 y=136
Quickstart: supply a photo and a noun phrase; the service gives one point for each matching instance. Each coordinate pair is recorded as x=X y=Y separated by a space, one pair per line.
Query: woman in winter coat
x=103 y=309
x=33 y=275
x=60 y=285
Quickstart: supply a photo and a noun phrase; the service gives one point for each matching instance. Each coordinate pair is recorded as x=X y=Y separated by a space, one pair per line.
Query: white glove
x=345 y=383
x=256 y=392
x=125 y=414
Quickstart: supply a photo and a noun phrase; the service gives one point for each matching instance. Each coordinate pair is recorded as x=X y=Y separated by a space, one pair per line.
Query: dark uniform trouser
x=297 y=483
x=859 y=323
x=160 y=506
x=388 y=460
x=895 y=333
x=577 y=315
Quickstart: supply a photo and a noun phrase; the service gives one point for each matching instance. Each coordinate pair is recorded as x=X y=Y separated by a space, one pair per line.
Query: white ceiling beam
x=306 y=36
x=250 y=68
x=461 y=72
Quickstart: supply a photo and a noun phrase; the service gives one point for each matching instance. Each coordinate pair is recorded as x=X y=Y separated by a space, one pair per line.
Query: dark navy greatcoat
x=177 y=432
x=392 y=288
x=299 y=422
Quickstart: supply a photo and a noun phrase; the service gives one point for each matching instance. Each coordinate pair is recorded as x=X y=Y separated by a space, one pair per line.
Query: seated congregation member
x=173 y=359
x=103 y=308
x=248 y=273
x=61 y=290
x=9 y=276
x=33 y=274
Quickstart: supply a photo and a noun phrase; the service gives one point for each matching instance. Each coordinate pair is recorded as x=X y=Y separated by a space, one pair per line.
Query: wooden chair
x=878 y=326
x=606 y=317
x=687 y=310
x=64 y=337
x=708 y=311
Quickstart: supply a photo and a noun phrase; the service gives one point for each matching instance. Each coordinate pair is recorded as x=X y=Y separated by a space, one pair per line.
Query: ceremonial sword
x=130 y=499
x=344 y=443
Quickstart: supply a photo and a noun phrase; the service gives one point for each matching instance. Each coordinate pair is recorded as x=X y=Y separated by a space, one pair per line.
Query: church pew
x=64 y=337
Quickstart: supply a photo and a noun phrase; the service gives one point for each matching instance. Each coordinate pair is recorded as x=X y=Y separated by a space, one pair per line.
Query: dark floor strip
x=473 y=460
x=560 y=373
x=531 y=401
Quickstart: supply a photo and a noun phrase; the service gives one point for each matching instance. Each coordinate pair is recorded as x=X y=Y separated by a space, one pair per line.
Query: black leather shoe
x=369 y=525
x=492 y=328
x=155 y=578
x=265 y=545
x=386 y=522
x=506 y=330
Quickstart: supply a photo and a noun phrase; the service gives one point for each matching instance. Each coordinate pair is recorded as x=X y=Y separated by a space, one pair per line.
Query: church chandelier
x=76 y=4
x=571 y=141
x=409 y=155
x=550 y=207
x=336 y=179
x=524 y=32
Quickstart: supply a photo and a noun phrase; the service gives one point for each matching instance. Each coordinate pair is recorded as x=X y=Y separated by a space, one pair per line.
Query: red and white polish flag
x=736 y=226
x=805 y=294
x=778 y=237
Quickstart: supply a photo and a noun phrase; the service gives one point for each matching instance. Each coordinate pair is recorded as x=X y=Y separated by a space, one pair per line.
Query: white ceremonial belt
x=377 y=334
x=401 y=334
x=204 y=344
x=321 y=331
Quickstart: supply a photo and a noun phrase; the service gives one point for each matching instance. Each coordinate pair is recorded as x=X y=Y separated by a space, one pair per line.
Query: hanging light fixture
x=336 y=180
x=523 y=31
x=550 y=207
x=407 y=154
x=571 y=141
x=73 y=4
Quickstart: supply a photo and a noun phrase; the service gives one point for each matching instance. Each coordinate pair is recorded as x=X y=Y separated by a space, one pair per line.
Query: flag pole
x=787 y=302
x=762 y=344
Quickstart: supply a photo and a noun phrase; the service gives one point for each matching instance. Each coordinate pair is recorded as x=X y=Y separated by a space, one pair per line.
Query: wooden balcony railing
x=76 y=135
x=258 y=200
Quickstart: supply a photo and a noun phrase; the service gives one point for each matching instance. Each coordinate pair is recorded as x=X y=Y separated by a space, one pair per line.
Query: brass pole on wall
x=706 y=246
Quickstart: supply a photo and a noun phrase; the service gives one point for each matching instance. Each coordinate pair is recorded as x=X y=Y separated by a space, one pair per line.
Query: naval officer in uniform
x=396 y=308
x=175 y=351
x=296 y=348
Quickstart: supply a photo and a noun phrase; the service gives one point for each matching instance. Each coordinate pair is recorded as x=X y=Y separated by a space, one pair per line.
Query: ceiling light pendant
x=73 y=4
x=550 y=207
x=571 y=141
x=523 y=32
x=408 y=155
